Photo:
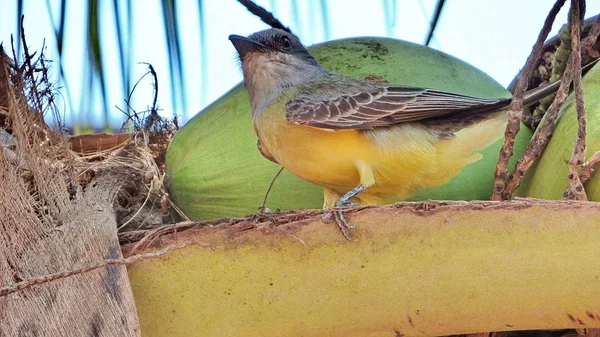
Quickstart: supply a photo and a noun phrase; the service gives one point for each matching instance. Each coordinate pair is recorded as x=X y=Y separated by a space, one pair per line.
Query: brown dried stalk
x=576 y=190
x=588 y=167
x=516 y=106
x=542 y=135
x=263 y=14
x=13 y=288
x=587 y=45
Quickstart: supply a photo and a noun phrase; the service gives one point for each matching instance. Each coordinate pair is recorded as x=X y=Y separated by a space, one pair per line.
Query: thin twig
x=31 y=68
x=263 y=14
x=178 y=210
x=13 y=288
x=588 y=167
x=516 y=106
x=137 y=212
x=576 y=190
x=434 y=21
x=542 y=135
x=264 y=204
x=151 y=68
x=142 y=123
x=589 y=42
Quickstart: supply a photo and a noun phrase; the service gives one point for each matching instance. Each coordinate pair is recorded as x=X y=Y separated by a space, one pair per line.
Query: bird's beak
x=245 y=45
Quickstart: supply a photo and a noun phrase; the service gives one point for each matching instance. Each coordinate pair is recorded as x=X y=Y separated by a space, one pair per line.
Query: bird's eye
x=286 y=44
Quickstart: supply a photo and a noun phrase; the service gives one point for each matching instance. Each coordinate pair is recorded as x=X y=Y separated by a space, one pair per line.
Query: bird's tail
x=534 y=95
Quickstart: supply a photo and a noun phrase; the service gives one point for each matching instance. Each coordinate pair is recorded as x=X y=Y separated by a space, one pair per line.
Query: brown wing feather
x=364 y=105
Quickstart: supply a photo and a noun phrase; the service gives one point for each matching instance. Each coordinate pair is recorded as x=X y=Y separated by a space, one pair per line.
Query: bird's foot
x=337 y=216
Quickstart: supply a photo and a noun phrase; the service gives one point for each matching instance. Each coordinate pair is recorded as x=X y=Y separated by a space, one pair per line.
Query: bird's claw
x=337 y=216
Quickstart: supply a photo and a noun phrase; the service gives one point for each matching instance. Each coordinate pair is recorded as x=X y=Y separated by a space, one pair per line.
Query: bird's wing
x=341 y=103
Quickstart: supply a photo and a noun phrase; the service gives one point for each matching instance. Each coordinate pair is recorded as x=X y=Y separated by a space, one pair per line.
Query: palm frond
x=174 y=52
x=95 y=54
x=389 y=15
x=19 y=16
x=59 y=36
x=434 y=21
x=123 y=49
x=203 y=53
x=325 y=18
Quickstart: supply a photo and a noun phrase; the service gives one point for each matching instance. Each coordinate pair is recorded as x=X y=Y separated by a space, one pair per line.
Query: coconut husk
x=53 y=222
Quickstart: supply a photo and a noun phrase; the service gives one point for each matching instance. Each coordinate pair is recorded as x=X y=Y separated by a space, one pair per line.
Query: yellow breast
x=403 y=158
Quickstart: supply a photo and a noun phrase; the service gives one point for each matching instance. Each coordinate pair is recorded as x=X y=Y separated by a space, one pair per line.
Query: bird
x=364 y=142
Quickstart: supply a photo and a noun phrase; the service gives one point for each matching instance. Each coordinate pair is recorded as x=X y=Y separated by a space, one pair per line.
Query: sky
x=494 y=36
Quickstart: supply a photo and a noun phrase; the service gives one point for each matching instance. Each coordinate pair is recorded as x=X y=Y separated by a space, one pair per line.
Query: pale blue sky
x=495 y=36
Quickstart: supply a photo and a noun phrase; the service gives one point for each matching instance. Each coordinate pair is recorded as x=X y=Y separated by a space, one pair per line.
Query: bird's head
x=272 y=61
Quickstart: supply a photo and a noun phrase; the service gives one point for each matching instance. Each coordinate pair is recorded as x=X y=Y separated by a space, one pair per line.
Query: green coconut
x=214 y=169
x=548 y=178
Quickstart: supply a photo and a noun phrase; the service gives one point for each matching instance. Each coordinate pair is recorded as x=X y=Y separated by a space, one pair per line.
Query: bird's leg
x=367 y=179
x=343 y=201
x=337 y=215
